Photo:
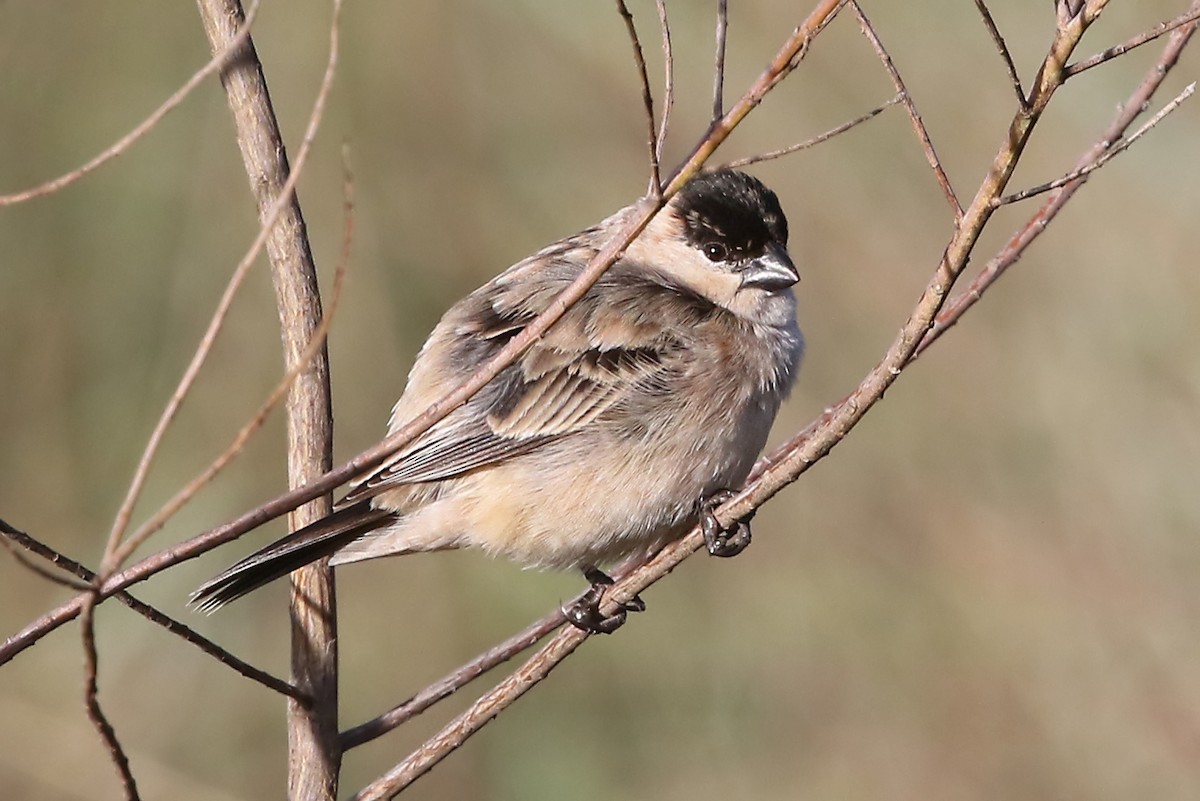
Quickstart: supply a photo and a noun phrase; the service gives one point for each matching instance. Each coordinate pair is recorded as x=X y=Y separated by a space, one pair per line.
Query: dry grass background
x=988 y=591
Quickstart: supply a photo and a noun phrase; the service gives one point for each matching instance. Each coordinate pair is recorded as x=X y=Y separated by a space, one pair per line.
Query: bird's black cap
x=734 y=208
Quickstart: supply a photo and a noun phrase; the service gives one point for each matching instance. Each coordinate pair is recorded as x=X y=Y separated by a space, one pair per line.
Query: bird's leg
x=722 y=541
x=585 y=613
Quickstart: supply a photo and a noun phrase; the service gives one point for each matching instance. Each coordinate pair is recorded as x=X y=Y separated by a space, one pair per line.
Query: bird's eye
x=715 y=251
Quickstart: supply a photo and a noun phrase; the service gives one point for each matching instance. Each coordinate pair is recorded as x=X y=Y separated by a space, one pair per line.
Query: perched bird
x=613 y=433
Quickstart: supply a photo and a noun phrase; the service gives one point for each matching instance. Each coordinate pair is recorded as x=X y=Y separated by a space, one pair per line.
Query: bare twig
x=1019 y=242
x=816 y=140
x=91 y=702
x=452 y=682
x=1002 y=48
x=719 y=65
x=12 y=537
x=668 y=79
x=1109 y=154
x=117 y=552
x=475 y=717
x=252 y=426
x=82 y=578
x=314 y=753
x=1185 y=18
x=639 y=60
x=217 y=62
x=918 y=125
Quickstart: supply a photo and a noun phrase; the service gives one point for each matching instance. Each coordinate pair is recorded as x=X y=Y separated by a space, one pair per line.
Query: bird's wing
x=561 y=384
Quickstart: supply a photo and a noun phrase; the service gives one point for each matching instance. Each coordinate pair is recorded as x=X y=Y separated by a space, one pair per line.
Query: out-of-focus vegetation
x=989 y=591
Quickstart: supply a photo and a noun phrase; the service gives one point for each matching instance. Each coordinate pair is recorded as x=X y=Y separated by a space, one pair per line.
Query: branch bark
x=313 y=747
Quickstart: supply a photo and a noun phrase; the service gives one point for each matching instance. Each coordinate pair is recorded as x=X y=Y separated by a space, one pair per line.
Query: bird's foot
x=585 y=613
x=722 y=541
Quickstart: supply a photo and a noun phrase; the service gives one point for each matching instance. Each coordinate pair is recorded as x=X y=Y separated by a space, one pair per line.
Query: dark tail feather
x=289 y=553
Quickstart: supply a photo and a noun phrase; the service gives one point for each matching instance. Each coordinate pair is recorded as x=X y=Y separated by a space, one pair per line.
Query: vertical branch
x=668 y=78
x=655 y=189
x=91 y=701
x=719 y=68
x=314 y=752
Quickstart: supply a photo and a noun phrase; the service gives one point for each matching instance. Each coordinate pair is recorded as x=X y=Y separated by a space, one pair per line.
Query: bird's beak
x=772 y=271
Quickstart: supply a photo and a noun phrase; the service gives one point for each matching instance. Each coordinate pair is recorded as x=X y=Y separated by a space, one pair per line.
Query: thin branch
x=91 y=702
x=1108 y=155
x=1019 y=242
x=719 y=66
x=452 y=682
x=668 y=79
x=639 y=60
x=247 y=431
x=314 y=757
x=116 y=552
x=918 y=125
x=1002 y=48
x=82 y=578
x=216 y=63
x=816 y=140
x=475 y=717
x=1129 y=44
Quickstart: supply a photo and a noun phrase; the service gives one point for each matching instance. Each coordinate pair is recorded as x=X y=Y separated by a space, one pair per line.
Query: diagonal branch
x=1002 y=48
x=1019 y=242
x=217 y=62
x=85 y=578
x=918 y=124
x=1187 y=17
x=1113 y=150
x=816 y=140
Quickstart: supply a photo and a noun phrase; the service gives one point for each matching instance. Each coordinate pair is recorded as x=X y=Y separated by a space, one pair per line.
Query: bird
x=627 y=422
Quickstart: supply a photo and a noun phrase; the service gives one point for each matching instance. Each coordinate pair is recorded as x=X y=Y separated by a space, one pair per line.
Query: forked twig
x=216 y=63
x=1192 y=15
x=1110 y=152
x=1019 y=242
x=77 y=576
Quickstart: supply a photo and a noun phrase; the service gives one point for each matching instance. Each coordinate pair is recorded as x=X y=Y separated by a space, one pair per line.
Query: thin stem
x=218 y=62
x=84 y=579
x=91 y=702
x=639 y=60
x=1002 y=48
x=719 y=66
x=668 y=79
x=1109 y=154
x=816 y=140
x=918 y=125
x=1185 y=18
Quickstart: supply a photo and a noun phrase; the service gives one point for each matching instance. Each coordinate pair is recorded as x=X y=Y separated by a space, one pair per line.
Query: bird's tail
x=289 y=553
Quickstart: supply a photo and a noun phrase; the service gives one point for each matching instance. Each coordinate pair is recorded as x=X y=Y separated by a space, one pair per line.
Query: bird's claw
x=722 y=541
x=585 y=613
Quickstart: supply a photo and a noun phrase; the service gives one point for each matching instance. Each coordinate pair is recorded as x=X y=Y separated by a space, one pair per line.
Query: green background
x=988 y=591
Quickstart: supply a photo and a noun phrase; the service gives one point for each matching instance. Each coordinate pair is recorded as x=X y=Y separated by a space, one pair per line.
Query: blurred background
x=988 y=591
